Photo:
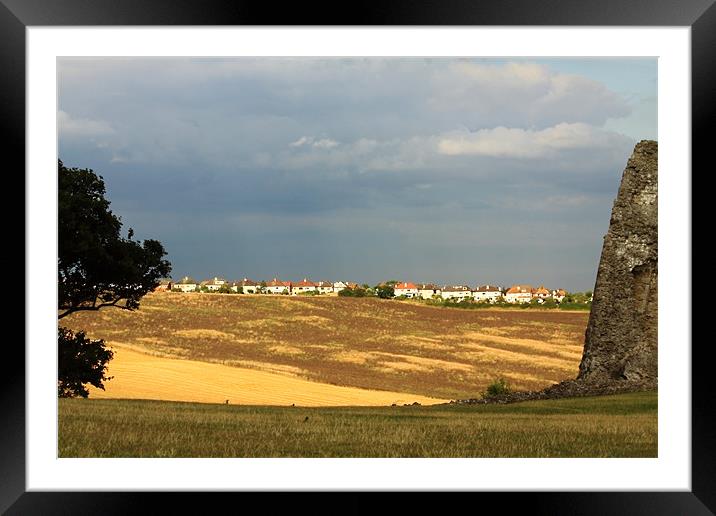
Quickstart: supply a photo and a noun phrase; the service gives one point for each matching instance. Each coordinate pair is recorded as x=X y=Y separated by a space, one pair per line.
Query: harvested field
x=367 y=343
x=141 y=376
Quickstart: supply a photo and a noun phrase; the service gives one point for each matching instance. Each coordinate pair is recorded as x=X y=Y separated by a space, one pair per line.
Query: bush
x=384 y=291
x=575 y=306
x=80 y=361
x=550 y=303
x=497 y=387
x=353 y=292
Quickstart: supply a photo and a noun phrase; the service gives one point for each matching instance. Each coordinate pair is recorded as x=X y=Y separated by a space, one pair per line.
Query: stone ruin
x=621 y=338
x=620 y=348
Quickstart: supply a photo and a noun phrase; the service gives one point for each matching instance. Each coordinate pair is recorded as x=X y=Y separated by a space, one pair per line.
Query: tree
x=97 y=267
x=385 y=291
x=80 y=360
x=353 y=292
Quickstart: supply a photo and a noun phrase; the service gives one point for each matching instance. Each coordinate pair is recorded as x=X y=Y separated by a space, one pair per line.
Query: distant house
x=165 y=285
x=247 y=286
x=324 y=287
x=541 y=294
x=186 y=284
x=457 y=292
x=276 y=286
x=339 y=285
x=213 y=284
x=406 y=289
x=558 y=295
x=490 y=293
x=519 y=294
x=427 y=290
x=304 y=286
x=350 y=284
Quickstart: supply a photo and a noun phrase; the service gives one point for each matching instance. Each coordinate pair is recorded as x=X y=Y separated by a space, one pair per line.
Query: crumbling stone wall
x=621 y=338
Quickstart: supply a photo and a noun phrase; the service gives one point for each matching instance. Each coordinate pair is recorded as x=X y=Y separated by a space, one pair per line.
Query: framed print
x=146 y=47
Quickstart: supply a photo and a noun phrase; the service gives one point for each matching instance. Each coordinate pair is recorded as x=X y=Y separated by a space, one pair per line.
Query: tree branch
x=93 y=308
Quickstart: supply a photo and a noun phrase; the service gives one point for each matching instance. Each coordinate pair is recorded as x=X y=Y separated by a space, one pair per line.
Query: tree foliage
x=385 y=291
x=97 y=267
x=80 y=361
x=497 y=387
x=353 y=292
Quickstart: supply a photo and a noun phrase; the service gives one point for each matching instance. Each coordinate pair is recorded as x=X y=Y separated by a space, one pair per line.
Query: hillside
x=366 y=343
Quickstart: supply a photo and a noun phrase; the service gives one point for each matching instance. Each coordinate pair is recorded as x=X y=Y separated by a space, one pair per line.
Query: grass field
x=365 y=343
x=609 y=426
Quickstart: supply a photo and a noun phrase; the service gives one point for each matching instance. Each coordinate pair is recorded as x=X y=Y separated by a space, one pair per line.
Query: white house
x=275 y=286
x=489 y=293
x=213 y=284
x=339 y=285
x=519 y=294
x=165 y=285
x=405 y=289
x=457 y=292
x=428 y=290
x=324 y=287
x=558 y=295
x=186 y=284
x=247 y=286
x=541 y=294
x=303 y=286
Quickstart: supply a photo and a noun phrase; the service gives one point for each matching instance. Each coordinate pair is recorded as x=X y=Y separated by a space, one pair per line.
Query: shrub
x=497 y=387
x=353 y=292
x=550 y=303
x=384 y=291
x=80 y=361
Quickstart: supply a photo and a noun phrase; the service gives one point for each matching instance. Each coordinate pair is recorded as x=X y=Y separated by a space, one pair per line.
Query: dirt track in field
x=368 y=343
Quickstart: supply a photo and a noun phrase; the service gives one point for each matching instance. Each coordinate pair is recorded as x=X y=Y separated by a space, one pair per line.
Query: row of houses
x=489 y=293
x=248 y=286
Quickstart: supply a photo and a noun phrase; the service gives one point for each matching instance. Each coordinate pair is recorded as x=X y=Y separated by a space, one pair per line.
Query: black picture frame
x=16 y=15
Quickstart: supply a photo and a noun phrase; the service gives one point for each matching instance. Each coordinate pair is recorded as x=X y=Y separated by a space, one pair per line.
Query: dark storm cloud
x=435 y=170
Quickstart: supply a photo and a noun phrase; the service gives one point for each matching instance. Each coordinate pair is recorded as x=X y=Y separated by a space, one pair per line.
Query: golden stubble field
x=364 y=343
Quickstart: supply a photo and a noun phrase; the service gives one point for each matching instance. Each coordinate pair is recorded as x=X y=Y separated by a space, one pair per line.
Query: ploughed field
x=367 y=344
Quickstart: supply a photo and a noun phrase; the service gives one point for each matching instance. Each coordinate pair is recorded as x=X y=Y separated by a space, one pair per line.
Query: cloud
x=569 y=147
x=441 y=153
x=303 y=140
x=325 y=143
x=81 y=128
x=361 y=155
x=522 y=94
x=504 y=142
x=308 y=141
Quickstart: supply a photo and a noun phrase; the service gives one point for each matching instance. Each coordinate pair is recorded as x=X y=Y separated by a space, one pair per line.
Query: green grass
x=609 y=426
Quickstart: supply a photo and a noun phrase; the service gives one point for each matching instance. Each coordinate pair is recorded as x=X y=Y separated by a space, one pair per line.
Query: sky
x=443 y=170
